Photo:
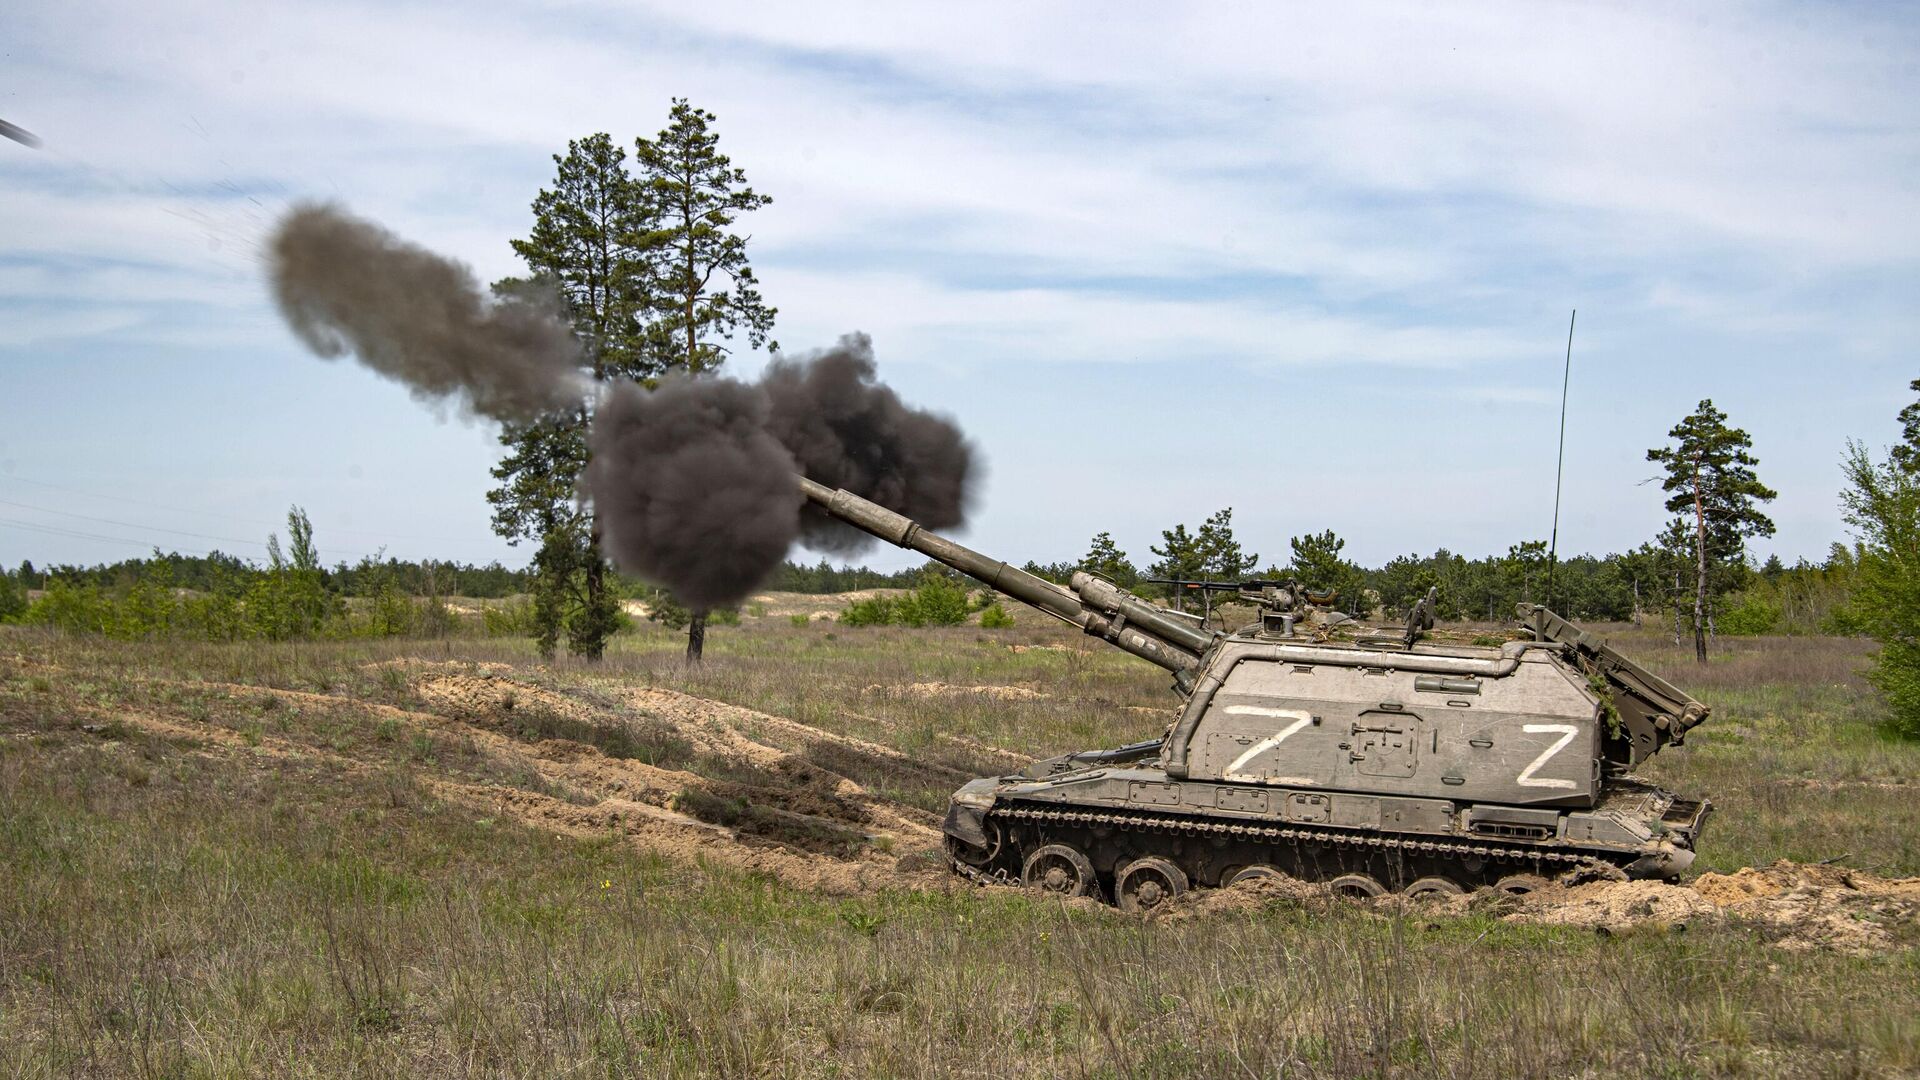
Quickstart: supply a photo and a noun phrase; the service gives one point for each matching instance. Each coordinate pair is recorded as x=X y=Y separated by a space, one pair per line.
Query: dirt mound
x=1614 y=906
x=456 y=667
x=940 y=689
x=1812 y=906
x=1244 y=898
x=1796 y=906
x=495 y=695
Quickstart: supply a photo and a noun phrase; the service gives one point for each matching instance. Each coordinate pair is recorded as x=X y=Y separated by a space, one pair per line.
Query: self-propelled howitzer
x=1311 y=746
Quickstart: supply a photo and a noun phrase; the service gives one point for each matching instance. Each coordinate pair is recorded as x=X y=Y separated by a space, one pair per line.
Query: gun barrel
x=1163 y=641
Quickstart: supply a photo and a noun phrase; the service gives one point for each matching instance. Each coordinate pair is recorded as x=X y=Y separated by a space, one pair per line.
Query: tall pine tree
x=1711 y=484
x=703 y=292
x=1906 y=455
x=582 y=246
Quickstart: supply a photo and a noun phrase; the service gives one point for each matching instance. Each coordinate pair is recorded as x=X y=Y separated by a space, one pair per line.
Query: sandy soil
x=940 y=689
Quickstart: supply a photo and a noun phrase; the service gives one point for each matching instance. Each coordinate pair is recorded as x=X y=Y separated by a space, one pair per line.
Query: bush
x=77 y=609
x=939 y=601
x=995 y=617
x=1750 y=616
x=511 y=619
x=13 y=598
x=877 y=611
x=1897 y=674
x=799 y=620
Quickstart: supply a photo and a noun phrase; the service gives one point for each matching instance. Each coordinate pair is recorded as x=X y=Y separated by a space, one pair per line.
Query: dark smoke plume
x=847 y=431
x=693 y=482
x=693 y=493
x=348 y=285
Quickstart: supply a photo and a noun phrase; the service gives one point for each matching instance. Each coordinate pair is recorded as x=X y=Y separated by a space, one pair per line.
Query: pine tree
x=1180 y=560
x=703 y=291
x=1105 y=558
x=1907 y=454
x=1524 y=567
x=582 y=247
x=1710 y=480
x=1318 y=564
x=1221 y=557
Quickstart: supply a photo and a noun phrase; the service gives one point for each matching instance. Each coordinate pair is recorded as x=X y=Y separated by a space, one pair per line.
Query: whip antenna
x=1560 y=465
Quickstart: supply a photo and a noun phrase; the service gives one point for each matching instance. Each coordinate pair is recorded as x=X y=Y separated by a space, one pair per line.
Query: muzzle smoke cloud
x=846 y=430
x=692 y=490
x=693 y=482
x=347 y=285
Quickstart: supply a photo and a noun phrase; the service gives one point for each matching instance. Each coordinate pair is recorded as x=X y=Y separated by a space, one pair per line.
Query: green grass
x=300 y=904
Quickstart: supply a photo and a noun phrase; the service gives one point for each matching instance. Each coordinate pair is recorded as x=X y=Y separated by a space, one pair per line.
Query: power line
x=74 y=534
x=176 y=509
x=131 y=524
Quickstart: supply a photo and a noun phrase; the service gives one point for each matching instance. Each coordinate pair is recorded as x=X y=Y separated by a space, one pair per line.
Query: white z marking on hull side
x=1566 y=733
x=1300 y=719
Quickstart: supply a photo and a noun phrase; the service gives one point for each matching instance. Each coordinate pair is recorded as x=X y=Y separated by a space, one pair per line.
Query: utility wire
x=74 y=534
x=176 y=509
x=131 y=524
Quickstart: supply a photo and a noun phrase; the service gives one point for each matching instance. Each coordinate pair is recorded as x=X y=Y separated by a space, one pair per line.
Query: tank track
x=1565 y=864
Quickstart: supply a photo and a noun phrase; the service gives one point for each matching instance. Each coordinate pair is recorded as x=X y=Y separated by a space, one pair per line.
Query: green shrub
x=939 y=601
x=13 y=598
x=77 y=609
x=995 y=617
x=799 y=620
x=1897 y=673
x=877 y=611
x=726 y=616
x=511 y=619
x=1750 y=616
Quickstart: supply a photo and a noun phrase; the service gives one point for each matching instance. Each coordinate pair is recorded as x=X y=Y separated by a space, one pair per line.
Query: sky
x=1311 y=262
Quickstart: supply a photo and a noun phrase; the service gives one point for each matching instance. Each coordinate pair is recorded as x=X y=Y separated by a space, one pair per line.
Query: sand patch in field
x=940 y=689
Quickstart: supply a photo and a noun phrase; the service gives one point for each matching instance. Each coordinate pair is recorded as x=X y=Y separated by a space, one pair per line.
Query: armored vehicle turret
x=1313 y=746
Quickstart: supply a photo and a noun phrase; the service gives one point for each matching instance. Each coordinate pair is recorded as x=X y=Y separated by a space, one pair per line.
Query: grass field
x=316 y=860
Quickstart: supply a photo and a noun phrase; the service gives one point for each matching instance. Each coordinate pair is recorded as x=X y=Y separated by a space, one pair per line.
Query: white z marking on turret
x=1566 y=733
x=1300 y=719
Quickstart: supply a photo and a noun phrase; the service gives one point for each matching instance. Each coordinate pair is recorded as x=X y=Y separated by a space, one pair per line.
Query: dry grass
x=299 y=904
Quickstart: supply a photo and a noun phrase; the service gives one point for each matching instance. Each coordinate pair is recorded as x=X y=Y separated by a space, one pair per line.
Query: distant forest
x=423 y=578
x=1769 y=598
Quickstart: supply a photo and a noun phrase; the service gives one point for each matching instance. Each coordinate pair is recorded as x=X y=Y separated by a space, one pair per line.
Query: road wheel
x=1356 y=887
x=1256 y=872
x=1520 y=884
x=976 y=858
x=1432 y=890
x=1149 y=883
x=1058 y=870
